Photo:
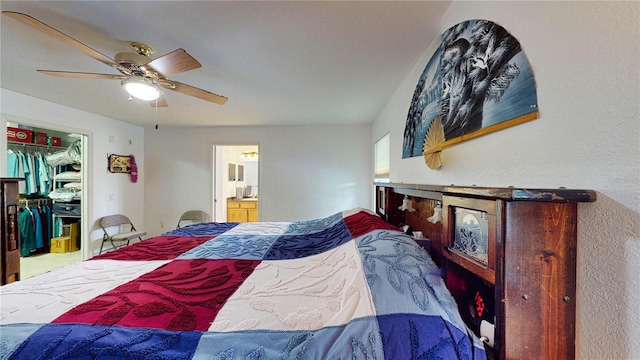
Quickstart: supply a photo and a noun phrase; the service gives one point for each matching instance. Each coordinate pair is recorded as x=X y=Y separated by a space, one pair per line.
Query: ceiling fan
x=137 y=69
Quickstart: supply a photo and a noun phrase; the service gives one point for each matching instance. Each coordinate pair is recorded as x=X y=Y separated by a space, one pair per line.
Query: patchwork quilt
x=348 y=286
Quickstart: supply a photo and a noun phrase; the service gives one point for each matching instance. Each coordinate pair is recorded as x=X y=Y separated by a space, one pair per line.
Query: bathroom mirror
x=232 y=172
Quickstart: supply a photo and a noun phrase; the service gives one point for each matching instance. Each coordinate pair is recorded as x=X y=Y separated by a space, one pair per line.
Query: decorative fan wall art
x=432 y=144
x=478 y=81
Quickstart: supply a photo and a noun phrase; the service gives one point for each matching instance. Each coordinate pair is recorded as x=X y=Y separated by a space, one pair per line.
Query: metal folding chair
x=194 y=216
x=118 y=228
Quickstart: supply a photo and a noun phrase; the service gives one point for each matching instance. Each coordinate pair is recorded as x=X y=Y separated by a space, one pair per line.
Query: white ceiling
x=279 y=63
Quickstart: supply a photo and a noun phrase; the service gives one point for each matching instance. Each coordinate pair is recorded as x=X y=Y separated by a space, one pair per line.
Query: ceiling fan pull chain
x=156 y=113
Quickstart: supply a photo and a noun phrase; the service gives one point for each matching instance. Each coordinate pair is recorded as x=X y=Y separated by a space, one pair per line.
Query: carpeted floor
x=41 y=263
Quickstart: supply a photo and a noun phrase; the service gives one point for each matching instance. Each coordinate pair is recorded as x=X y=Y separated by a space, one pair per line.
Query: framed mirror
x=232 y=172
x=240 y=172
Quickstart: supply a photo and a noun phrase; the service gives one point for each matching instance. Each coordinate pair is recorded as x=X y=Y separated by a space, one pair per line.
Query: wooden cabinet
x=242 y=210
x=534 y=284
x=508 y=256
x=10 y=231
x=252 y=214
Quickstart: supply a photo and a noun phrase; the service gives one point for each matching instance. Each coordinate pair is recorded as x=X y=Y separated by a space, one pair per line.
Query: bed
x=347 y=286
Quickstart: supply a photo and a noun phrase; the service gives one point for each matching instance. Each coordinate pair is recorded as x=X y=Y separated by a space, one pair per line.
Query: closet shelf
x=32 y=145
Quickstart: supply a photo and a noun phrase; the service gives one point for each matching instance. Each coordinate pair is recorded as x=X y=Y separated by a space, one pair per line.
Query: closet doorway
x=235 y=183
x=54 y=166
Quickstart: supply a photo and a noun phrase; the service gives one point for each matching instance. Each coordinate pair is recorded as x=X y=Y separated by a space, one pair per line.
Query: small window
x=381 y=154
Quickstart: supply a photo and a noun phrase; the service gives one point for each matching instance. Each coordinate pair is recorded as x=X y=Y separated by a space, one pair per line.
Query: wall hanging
x=119 y=163
x=478 y=81
x=134 y=169
x=124 y=164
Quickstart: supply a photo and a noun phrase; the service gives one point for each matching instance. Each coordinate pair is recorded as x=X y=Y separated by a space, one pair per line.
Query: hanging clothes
x=44 y=174
x=36 y=175
x=47 y=224
x=26 y=166
x=27 y=232
x=30 y=164
x=37 y=222
x=32 y=188
x=12 y=164
x=22 y=185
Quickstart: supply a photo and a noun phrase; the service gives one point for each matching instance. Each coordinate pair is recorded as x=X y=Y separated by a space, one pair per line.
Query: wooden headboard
x=508 y=256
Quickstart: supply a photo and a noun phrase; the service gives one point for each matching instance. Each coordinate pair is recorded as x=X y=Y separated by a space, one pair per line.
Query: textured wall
x=305 y=172
x=586 y=59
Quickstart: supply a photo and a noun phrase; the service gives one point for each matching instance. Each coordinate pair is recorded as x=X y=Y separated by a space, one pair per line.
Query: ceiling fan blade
x=193 y=91
x=175 y=62
x=42 y=27
x=82 y=75
x=161 y=102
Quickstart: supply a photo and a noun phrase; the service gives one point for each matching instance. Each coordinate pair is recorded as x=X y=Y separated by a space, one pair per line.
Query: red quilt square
x=157 y=248
x=363 y=222
x=181 y=295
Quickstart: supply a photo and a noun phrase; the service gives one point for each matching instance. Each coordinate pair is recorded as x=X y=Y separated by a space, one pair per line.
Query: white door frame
x=219 y=200
x=87 y=138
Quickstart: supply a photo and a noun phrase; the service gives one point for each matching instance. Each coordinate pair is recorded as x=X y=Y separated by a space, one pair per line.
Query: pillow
x=68 y=175
x=62 y=194
x=73 y=185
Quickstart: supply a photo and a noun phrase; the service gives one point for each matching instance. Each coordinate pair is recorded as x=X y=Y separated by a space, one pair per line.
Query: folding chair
x=195 y=216
x=118 y=228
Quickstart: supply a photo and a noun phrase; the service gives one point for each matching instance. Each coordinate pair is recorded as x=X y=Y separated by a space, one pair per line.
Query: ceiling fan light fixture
x=141 y=89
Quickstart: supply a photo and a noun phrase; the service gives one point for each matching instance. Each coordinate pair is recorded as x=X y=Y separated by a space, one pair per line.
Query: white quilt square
x=300 y=294
x=258 y=228
x=44 y=298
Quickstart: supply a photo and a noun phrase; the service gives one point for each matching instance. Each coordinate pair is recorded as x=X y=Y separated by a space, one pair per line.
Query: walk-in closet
x=49 y=213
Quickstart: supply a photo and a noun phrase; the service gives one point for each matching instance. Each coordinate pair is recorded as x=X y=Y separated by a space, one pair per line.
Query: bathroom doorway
x=235 y=183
